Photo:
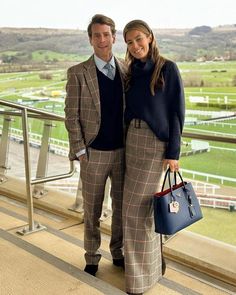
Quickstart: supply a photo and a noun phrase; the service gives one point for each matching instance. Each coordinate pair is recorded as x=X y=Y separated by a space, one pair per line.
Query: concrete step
x=52 y=260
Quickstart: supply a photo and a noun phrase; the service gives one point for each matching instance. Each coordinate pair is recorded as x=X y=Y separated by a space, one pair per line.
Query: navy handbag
x=176 y=207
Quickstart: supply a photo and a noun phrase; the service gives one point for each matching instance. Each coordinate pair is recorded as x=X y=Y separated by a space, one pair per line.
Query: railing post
x=31 y=228
x=4 y=147
x=39 y=190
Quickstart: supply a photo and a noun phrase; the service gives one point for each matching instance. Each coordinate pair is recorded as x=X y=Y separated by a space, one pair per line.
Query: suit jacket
x=82 y=105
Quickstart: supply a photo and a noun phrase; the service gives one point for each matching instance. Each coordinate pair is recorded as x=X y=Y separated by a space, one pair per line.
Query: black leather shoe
x=119 y=262
x=91 y=269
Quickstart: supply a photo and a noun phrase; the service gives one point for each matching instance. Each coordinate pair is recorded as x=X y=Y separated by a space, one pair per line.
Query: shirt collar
x=101 y=63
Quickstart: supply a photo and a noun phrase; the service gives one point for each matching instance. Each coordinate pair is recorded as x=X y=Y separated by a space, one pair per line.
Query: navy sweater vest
x=110 y=135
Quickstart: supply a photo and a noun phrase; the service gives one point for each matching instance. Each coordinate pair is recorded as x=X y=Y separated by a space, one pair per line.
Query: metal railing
x=24 y=112
x=195 y=135
x=28 y=112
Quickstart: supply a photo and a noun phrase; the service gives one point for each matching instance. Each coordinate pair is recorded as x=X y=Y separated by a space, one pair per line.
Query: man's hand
x=82 y=157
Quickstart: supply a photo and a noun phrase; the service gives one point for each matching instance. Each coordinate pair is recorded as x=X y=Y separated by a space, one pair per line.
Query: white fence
x=212 y=114
x=217 y=203
x=208 y=176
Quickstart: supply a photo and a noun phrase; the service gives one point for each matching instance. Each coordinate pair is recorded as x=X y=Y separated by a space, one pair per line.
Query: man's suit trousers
x=95 y=169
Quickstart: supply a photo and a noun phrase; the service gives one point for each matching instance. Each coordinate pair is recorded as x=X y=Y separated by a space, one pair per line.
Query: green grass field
x=22 y=81
x=42 y=55
x=218 y=224
x=217 y=162
x=215 y=73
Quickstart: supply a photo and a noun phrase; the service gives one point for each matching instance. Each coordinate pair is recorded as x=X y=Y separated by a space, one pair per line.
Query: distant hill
x=19 y=44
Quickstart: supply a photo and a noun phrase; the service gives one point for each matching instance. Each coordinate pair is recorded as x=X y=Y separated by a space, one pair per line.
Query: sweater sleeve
x=176 y=100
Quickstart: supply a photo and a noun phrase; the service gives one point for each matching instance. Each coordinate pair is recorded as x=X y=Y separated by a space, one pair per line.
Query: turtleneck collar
x=140 y=68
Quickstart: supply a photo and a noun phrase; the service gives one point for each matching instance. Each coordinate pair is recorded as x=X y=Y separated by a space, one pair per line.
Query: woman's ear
x=150 y=37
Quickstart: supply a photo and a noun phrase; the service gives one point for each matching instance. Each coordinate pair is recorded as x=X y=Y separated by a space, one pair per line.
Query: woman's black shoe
x=91 y=269
x=119 y=262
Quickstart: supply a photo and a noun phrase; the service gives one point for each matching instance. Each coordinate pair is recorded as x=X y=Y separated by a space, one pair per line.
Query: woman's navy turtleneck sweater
x=164 y=112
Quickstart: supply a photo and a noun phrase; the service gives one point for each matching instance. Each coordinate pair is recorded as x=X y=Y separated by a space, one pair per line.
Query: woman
x=154 y=116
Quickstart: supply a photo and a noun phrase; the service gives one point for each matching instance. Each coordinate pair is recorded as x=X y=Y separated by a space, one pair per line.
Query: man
x=94 y=120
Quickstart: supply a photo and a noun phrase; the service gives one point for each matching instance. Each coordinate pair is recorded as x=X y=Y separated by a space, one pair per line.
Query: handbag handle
x=189 y=198
x=187 y=190
x=164 y=181
x=175 y=180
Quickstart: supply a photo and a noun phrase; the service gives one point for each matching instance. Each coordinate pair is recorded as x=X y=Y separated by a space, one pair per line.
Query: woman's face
x=138 y=44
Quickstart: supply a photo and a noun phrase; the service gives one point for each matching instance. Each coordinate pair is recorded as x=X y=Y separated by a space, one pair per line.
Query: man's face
x=102 y=40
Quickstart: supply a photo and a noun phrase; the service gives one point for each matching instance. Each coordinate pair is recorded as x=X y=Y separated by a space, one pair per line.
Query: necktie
x=110 y=74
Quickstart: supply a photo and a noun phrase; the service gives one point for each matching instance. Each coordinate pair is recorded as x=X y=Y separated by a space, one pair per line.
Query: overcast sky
x=77 y=13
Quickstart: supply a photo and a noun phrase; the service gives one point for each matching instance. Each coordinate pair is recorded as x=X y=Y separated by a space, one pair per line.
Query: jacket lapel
x=92 y=82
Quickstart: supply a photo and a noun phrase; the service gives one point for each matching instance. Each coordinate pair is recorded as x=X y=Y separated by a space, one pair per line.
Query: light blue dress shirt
x=101 y=63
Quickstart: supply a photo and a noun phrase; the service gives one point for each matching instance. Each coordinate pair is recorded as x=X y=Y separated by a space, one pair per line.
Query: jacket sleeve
x=176 y=99
x=72 y=117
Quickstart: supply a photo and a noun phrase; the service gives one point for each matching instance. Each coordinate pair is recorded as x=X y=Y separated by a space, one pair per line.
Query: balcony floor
x=51 y=261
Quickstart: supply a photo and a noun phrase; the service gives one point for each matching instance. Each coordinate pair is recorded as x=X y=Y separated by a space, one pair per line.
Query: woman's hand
x=173 y=164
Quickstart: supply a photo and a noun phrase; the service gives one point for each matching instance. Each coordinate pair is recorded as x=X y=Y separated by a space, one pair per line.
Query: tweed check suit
x=83 y=119
x=144 y=170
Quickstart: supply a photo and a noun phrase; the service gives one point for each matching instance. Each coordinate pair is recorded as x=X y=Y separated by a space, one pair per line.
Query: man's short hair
x=102 y=20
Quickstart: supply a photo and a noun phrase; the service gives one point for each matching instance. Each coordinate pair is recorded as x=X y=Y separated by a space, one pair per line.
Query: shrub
x=45 y=76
